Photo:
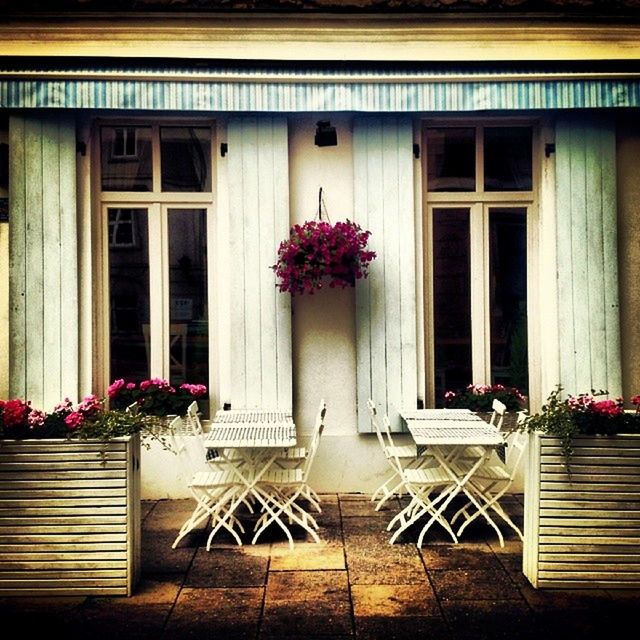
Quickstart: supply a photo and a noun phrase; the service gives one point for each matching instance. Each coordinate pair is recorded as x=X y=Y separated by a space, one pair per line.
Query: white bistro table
x=249 y=441
x=449 y=435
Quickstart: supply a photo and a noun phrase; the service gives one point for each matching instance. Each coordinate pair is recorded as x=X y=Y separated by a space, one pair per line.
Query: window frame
x=157 y=203
x=479 y=203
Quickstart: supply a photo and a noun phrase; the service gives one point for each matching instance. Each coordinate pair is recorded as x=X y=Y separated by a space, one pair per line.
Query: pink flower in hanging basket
x=320 y=249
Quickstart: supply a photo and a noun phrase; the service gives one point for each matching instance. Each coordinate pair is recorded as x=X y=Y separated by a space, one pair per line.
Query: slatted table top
x=440 y=414
x=447 y=432
x=252 y=416
x=252 y=428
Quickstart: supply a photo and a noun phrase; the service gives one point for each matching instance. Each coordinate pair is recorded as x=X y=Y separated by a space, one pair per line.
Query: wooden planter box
x=583 y=530
x=69 y=517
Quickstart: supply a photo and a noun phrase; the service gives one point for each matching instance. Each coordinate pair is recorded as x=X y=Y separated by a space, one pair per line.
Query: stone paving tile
x=374 y=528
x=169 y=515
x=159 y=557
x=216 y=613
x=386 y=601
x=112 y=619
x=227 y=568
x=146 y=506
x=473 y=584
x=364 y=507
x=150 y=590
x=484 y=619
x=459 y=556
x=307 y=557
x=401 y=628
x=373 y=563
x=565 y=599
x=316 y=601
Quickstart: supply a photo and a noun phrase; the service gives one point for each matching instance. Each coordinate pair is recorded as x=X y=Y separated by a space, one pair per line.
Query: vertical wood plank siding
x=43 y=315
x=261 y=372
x=386 y=301
x=588 y=309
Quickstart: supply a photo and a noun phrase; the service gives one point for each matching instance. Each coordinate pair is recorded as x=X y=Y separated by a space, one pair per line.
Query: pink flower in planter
x=114 y=388
x=74 y=420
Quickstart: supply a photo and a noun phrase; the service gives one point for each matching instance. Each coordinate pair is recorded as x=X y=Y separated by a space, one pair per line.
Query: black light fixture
x=325 y=134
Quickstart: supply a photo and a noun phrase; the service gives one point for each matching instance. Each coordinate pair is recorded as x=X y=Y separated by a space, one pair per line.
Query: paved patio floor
x=352 y=585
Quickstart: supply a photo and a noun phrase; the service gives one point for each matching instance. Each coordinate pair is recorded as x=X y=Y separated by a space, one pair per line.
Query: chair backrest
x=516 y=446
x=192 y=420
x=499 y=409
x=318 y=428
x=376 y=424
x=177 y=434
x=391 y=452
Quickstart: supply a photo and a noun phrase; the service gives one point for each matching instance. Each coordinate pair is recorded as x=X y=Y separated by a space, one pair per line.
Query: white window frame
x=157 y=203
x=479 y=202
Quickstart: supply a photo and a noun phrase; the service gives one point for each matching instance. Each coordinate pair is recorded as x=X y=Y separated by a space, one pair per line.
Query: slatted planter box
x=69 y=517
x=583 y=530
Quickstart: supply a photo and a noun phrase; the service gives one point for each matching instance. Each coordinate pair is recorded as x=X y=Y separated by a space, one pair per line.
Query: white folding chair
x=407 y=455
x=285 y=486
x=213 y=491
x=491 y=482
x=421 y=483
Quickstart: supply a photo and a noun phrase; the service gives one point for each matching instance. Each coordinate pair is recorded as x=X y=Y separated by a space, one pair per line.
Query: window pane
x=129 y=295
x=189 y=333
x=508 y=296
x=186 y=158
x=451 y=159
x=451 y=300
x=126 y=158
x=507 y=159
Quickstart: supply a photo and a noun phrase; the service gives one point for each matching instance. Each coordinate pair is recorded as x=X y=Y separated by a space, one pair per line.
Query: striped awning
x=268 y=90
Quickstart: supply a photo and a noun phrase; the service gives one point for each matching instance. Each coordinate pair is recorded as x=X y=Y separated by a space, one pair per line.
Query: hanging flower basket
x=317 y=250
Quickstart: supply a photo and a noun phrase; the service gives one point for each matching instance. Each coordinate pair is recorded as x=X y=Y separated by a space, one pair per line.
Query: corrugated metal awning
x=290 y=90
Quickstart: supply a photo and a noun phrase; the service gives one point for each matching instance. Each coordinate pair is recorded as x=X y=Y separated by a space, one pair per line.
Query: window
x=479 y=204
x=156 y=202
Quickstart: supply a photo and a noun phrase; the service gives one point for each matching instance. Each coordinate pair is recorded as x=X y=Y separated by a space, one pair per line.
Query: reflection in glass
x=188 y=308
x=508 y=296
x=125 y=155
x=507 y=159
x=451 y=159
x=451 y=300
x=129 y=294
x=186 y=158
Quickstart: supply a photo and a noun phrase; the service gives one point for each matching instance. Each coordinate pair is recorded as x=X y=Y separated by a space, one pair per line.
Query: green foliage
x=582 y=415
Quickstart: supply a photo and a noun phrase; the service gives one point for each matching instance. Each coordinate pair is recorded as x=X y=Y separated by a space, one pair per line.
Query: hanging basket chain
x=322 y=208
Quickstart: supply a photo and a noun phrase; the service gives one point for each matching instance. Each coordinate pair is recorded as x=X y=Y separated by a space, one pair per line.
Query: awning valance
x=302 y=90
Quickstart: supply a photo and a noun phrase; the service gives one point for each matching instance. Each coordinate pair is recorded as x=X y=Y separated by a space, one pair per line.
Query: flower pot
x=582 y=529
x=69 y=517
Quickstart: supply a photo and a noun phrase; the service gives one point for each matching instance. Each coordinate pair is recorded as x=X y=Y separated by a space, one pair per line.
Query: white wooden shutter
x=43 y=259
x=588 y=309
x=259 y=221
x=386 y=301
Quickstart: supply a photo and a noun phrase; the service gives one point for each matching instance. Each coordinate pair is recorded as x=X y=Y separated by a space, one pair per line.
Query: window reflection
x=451 y=159
x=126 y=158
x=508 y=295
x=129 y=296
x=186 y=158
x=507 y=159
x=451 y=300
x=188 y=301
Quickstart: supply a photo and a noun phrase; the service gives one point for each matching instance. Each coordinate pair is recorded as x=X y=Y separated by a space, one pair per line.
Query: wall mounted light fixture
x=325 y=134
